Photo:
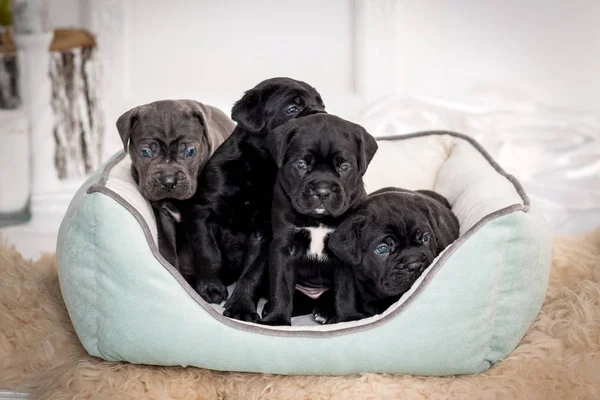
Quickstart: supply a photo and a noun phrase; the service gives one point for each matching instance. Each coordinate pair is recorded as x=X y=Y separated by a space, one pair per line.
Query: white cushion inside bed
x=446 y=164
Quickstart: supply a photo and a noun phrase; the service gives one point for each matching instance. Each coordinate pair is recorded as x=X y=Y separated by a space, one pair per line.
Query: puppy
x=169 y=142
x=390 y=240
x=229 y=226
x=321 y=160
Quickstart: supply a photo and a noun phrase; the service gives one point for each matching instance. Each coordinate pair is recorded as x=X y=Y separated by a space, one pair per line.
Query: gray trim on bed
x=104 y=177
x=488 y=157
x=100 y=187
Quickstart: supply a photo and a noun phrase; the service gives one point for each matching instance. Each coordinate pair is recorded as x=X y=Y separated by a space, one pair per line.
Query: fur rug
x=559 y=357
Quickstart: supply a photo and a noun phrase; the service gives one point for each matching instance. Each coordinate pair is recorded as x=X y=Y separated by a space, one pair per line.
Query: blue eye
x=190 y=152
x=292 y=110
x=425 y=238
x=382 y=249
x=301 y=164
x=146 y=153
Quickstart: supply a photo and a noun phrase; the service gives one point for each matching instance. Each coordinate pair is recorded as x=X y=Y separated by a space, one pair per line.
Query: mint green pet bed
x=468 y=310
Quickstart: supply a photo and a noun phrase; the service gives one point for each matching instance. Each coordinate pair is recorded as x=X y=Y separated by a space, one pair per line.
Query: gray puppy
x=169 y=142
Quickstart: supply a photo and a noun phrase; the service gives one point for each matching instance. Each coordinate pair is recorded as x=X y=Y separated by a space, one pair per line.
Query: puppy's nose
x=321 y=191
x=413 y=263
x=414 y=266
x=168 y=181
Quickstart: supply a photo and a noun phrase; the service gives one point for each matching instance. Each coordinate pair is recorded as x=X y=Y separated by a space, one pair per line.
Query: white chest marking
x=317 y=241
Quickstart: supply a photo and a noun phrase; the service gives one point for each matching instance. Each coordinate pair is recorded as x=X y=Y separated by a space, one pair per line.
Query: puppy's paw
x=266 y=309
x=275 y=319
x=320 y=318
x=242 y=310
x=354 y=316
x=322 y=313
x=212 y=290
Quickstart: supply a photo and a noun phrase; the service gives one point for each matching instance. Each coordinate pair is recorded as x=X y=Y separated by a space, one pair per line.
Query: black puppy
x=391 y=239
x=169 y=142
x=229 y=218
x=321 y=160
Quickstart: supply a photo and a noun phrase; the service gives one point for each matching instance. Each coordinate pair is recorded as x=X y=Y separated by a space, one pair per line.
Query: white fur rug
x=559 y=358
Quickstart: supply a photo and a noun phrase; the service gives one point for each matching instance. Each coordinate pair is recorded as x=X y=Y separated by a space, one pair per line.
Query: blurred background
x=521 y=77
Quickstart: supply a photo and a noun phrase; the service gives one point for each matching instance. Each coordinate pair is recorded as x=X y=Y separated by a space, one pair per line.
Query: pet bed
x=467 y=311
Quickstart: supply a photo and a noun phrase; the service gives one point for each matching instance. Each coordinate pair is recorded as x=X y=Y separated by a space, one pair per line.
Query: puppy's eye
x=382 y=249
x=146 y=153
x=190 y=152
x=292 y=110
x=425 y=238
x=344 y=167
x=301 y=164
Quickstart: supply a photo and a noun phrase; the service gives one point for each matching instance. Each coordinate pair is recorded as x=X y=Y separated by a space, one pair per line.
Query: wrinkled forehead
x=387 y=216
x=322 y=142
x=168 y=121
x=281 y=94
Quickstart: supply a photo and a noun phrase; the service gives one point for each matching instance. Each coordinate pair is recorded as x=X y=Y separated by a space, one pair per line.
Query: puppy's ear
x=203 y=114
x=125 y=124
x=345 y=243
x=367 y=147
x=278 y=141
x=440 y=230
x=249 y=111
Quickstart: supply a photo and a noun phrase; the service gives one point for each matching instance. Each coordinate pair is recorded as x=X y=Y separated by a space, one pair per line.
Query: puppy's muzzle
x=321 y=197
x=402 y=275
x=413 y=263
x=164 y=184
x=168 y=180
x=322 y=190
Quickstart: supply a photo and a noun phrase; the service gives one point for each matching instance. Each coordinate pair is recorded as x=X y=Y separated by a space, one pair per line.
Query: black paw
x=244 y=311
x=320 y=318
x=322 y=313
x=212 y=290
x=275 y=319
x=266 y=309
x=355 y=316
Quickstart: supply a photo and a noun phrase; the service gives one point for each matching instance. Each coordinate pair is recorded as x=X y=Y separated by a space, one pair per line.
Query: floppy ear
x=440 y=232
x=125 y=124
x=204 y=114
x=344 y=242
x=249 y=111
x=218 y=125
x=429 y=211
x=367 y=147
x=278 y=141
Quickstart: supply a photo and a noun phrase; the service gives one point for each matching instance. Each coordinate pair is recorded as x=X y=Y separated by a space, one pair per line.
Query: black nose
x=414 y=266
x=321 y=190
x=168 y=181
x=413 y=263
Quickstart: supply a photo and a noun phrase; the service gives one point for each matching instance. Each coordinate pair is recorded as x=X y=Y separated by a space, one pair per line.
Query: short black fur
x=228 y=221
x=321 y=159
x=390 y=239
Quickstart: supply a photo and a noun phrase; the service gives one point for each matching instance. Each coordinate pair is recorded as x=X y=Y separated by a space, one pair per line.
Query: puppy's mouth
x=320 y=209
x=403 y=275
x=155 y=190
x=335 y=204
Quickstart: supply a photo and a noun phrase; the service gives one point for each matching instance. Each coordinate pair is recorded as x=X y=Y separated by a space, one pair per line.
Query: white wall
x=548 y=48
x=65 y=13
x=187 y=48
x=353 y=51
x=219 y=49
